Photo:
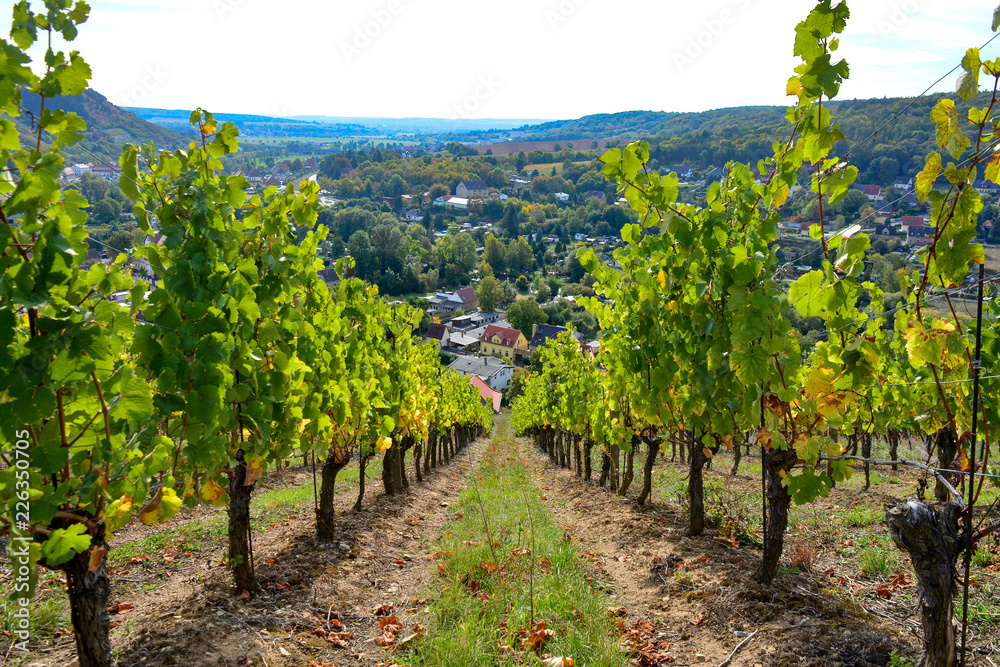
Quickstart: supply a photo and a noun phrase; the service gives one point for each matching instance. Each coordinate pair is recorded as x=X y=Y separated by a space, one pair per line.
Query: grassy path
x=511 y=588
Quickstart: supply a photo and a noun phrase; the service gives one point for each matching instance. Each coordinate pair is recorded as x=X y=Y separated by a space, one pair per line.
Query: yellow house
x=503 y=342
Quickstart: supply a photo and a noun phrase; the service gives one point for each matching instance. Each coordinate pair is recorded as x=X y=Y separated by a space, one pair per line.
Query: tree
x=494 y=253
x=297 y=165
x=521 y=283
x=359 y=246
x=103 y=212
x=520 y=161
x=123 y=241
x=489 y=293
x=395 y=186
x=438 y=190
x=512 y=220
x=524 y=313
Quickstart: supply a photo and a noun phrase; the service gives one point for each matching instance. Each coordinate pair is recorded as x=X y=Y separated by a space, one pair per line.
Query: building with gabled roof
x=494 y=372
x=439 y=334
x=504 y=342
x=467 y=189
x=487 y=394
x=542 y=333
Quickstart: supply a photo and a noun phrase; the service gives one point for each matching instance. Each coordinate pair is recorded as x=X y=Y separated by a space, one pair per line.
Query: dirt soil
x=690 y=599
x=320 y=604
x=698 y=592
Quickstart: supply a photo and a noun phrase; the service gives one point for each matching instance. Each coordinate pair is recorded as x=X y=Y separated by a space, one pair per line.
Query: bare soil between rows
x=323 y=603
x=699 y=594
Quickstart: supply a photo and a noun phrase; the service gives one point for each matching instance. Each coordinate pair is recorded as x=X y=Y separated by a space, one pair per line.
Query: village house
x=490 y=370
x=448 y=302
x=541 y=334
x=438 y=334
x=504 y=342
x=467 y=189
x=918 y=230
x=487 y=395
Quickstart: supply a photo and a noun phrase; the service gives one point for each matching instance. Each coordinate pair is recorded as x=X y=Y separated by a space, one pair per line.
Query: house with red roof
x=487 y=394
x=505 y=342
x=918 y=230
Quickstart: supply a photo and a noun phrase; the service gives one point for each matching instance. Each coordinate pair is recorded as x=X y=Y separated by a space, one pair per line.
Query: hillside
x=710 y=138
x=108 y=127
x=253 y=125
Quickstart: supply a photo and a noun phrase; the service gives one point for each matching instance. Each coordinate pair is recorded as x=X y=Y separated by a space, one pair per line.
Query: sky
x=537 y=59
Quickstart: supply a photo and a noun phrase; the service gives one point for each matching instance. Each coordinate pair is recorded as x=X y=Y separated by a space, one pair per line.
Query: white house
x=562 y=196
x=492 y=371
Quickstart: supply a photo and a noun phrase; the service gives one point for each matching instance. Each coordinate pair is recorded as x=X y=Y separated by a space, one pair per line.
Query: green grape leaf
x=64 y=543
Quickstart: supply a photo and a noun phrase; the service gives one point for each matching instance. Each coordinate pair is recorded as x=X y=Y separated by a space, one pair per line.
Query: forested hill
x=710 y=138
x=260 y=126
x=108 y=127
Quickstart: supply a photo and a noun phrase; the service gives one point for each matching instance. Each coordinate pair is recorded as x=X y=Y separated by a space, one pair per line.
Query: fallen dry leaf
x=121 y=608
x=96 y=558
x=537 y=637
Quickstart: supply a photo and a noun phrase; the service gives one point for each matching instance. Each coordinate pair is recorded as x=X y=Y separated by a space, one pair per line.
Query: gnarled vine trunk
x=588 y=448
x=240 y=550
x=628 y=475
x=778 y=500
x=388 y=472
x=929 y=533
x=362 y=463
x=947 y=450
x=696 y=488
x=88 y=600
x=331 y=468
x=893 y=437
x=652 y=448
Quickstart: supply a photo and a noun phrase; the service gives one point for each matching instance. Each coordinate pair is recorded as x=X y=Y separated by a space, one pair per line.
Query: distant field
x=546 y=168
x=508 y=147
x=993 y=259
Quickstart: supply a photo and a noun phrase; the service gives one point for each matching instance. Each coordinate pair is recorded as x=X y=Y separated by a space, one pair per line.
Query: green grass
x=863 y=516
x=879 y=557
x=266 y=508
x=486 y=595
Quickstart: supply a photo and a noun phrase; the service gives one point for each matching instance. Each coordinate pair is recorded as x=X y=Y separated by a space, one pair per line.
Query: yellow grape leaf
x=993 y=168
x=384 y=443
x=794 y=86
x=923 y=346
x=820 y=382
x=661 y=278
x=118 y=513
x=160 y=507
x=211 y=491
x=728 y=441
x=764 y=438
x=255 y=470
x=781 y=196
x=940 y=324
